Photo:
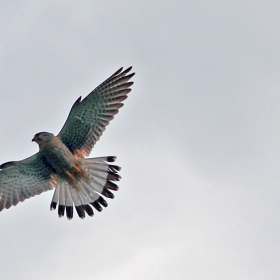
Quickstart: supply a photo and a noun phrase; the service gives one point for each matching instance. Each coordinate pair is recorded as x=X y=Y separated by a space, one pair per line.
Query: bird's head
x=42 y=138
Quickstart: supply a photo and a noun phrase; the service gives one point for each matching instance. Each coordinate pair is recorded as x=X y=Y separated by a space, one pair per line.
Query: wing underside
x=89 y=117
x=20 y=180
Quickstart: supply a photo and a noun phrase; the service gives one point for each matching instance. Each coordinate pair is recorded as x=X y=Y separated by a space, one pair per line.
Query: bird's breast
x=59 y=157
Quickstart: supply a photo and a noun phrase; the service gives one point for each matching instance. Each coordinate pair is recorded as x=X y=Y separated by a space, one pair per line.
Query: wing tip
x=53 y=205
x=111 y=158
x=127 y=70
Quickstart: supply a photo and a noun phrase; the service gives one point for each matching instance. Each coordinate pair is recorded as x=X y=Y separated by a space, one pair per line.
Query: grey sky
x=197 y=140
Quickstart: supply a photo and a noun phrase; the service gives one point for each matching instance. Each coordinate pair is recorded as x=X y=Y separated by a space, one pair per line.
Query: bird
x=62 y=162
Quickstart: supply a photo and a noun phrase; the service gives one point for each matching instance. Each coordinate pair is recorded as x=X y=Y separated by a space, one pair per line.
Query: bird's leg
x=71 y=176
x=78 y=169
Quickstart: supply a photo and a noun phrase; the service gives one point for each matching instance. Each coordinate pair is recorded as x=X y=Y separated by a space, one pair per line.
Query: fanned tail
x=101 y=175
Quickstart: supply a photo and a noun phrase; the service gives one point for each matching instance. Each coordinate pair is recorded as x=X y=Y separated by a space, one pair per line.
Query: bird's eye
x=39 y=139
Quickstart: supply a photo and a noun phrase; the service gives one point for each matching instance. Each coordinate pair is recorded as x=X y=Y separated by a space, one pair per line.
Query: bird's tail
x=101 y=174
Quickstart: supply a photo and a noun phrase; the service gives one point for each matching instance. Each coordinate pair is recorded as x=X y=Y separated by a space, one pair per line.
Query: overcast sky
x=198 y=139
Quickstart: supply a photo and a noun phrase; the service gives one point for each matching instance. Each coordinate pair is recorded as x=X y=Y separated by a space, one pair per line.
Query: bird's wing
x=89 y=117
x=23 y=179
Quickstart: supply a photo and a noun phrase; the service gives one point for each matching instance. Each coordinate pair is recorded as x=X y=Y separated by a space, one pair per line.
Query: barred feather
x=101 y=175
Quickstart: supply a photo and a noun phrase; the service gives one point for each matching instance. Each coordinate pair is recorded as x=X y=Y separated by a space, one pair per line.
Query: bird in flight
x=61 y=163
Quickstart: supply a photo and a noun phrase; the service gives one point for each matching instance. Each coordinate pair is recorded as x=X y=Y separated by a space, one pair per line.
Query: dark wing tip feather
x=102 y=201
x=88 y=210
x=53 y=205
x=69 y=212
x=125 y=78
x=107 y=193
x=111 y=158
x=61 y=210
x=120 y=71
x=114 y=168
x=97 y=206
x=116 y=73
x=111 y=186
x=81 y=211
x=127 y=70
x=113 y=176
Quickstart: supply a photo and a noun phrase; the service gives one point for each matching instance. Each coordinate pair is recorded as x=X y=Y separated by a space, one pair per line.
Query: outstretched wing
x=89 y=117
x=23 y=179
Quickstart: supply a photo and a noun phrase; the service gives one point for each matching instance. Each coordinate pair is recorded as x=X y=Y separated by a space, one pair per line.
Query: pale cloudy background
x=198 y=139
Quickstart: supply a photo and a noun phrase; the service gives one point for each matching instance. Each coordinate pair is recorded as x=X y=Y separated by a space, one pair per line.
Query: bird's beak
x=34 y=138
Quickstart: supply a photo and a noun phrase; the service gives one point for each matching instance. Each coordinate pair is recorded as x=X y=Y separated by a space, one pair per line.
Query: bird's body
x=61 y=161
x=59 y=157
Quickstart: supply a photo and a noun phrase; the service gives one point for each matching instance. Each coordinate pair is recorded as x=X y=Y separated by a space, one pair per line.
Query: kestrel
x=61 y=163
